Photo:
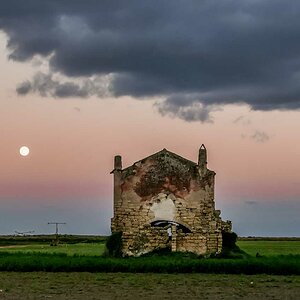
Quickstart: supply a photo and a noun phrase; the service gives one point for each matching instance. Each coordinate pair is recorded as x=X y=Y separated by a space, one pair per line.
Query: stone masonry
x=165 y=200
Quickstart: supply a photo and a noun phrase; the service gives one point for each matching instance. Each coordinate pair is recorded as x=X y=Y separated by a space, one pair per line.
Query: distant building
x=165 y=200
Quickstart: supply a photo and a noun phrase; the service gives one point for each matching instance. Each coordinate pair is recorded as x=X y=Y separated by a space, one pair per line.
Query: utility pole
x=56 y=230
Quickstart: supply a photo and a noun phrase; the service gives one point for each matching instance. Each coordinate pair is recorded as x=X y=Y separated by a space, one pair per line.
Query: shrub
x=114 y=245
x=229 y=240
x=229 y=247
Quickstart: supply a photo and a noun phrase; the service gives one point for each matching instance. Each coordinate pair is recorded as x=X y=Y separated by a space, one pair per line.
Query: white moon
x=24 y=151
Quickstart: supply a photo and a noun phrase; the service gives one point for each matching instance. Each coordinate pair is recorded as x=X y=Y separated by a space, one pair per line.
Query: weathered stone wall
x=166 y=189
x=144 y=240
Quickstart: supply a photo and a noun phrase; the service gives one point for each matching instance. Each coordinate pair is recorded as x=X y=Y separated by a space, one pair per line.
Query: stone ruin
x=165 y=200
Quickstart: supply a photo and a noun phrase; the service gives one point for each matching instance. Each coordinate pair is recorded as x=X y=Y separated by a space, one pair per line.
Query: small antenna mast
x=56 y=229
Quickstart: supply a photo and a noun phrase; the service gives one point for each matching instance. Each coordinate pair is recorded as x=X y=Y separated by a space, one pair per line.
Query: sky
x=83 y=81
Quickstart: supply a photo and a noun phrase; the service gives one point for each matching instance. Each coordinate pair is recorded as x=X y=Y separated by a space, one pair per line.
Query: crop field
x=90 y=249
x=7 y=240
x=280 y=260
x=78 y=271
x=270 y=248
x=263 y=247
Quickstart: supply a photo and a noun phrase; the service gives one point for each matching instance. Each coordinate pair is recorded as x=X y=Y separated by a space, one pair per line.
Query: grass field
x=277 y=257
x=268 y=248
x=90 y=276
x=6 y=240
x=265 y=248
x=127 y=286
x=90 y=249
x=172 y=263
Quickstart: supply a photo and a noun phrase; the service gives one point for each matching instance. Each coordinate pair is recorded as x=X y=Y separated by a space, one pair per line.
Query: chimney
x=118 y=163
x=202 y=158
x=117 y=171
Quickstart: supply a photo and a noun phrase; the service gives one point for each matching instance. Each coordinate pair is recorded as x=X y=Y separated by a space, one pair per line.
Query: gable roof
x=163 y=151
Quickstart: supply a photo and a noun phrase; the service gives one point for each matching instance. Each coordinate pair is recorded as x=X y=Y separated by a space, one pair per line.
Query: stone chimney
x=118 y=163
x=117 y=171
x=202 y=159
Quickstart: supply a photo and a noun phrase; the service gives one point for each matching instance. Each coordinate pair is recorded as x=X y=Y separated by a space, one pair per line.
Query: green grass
x=270 y=248
x=265 y=248
x=278 y=257
x=89 y=249
x=6 y=240
x=28 y=262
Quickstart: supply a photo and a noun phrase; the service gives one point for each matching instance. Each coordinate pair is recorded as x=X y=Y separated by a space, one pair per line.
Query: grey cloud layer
x=46 y=85
x=217 y=51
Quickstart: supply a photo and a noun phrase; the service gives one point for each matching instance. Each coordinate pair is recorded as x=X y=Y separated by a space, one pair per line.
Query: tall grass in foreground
x=20 y=262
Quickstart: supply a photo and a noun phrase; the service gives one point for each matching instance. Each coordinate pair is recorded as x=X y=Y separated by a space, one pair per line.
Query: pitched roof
x=163 y=151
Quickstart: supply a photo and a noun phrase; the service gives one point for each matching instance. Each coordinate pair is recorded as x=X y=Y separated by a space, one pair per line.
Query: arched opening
x=164 y=223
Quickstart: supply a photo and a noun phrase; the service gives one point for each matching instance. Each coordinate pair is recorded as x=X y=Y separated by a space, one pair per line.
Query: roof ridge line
x=163 y=150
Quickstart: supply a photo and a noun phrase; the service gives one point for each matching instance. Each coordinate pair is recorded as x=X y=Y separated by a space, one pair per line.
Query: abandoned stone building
x=165 y=200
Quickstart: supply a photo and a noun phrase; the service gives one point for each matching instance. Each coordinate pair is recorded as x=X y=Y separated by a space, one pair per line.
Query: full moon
x=24 y=151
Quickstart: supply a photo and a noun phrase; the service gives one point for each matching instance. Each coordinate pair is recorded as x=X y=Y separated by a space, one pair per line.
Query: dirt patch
x=146 y=286
x=13 y=246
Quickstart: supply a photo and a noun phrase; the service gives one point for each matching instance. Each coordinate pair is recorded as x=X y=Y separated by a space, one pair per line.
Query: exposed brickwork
x=166 y=200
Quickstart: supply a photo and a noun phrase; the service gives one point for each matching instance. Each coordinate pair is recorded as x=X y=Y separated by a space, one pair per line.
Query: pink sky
x=73 y=141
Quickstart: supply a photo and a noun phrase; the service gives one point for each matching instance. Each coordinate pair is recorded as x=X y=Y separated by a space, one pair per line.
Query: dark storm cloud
x=218 y=51
x=186 y=107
